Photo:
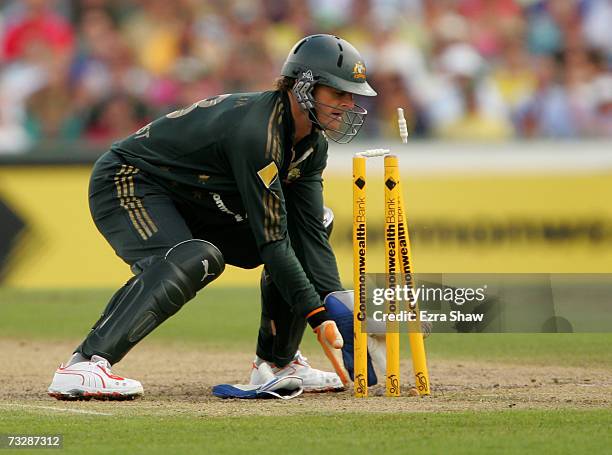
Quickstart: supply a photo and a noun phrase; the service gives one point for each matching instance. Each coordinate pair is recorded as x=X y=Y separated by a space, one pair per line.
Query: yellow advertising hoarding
x=493 y=223
x=472 y=223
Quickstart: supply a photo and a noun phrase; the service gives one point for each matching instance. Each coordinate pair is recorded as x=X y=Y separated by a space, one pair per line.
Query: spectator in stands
x=36 y=22
x=34 y=37
x=513 y=76
x=117 y=116
x=160 y=54
x=475 y=108
x=51 y=114
x=394 y=94
x=549 y=113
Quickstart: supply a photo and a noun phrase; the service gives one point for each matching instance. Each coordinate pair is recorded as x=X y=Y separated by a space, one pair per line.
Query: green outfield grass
x=557 y=432
x=229 y=318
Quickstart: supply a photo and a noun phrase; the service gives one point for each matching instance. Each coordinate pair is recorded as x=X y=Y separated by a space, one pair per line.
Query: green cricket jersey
x=233 y=156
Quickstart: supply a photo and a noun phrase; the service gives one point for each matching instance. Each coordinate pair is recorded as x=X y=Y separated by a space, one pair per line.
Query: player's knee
x=199 y=260
x=152 y=296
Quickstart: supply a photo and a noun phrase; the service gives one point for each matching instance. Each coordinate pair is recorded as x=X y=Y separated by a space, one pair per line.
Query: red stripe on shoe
x=112 y=376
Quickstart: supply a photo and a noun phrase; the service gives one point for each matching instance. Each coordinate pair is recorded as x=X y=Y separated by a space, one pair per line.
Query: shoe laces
x=301 y=359
x=102 y=362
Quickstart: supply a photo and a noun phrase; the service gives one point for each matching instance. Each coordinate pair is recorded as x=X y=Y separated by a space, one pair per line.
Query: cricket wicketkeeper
x=232 y=179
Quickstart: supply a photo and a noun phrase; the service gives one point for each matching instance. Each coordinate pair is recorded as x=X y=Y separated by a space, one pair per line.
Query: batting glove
x=330 y=339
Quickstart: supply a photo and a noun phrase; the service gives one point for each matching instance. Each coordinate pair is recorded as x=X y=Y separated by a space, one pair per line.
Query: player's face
x=331 y=106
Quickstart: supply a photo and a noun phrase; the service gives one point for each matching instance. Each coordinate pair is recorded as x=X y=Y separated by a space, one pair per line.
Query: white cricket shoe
x=92 y=379
x=313 y=380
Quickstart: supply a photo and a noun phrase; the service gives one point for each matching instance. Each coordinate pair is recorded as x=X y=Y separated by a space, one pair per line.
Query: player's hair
x=284 y=83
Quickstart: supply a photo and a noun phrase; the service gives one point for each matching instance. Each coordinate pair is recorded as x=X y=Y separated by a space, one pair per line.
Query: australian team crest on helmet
x=359 y=71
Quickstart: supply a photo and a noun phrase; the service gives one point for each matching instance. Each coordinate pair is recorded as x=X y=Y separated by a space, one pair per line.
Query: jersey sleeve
x=308 y=234
x=309 y=237
x=256 y=158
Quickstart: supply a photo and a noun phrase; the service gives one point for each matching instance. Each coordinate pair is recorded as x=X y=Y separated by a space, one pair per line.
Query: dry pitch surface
x=178 y=381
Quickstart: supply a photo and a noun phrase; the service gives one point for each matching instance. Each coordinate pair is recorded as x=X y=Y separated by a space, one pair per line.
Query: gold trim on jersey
x=140 y=218
x=269 y=140
x=276 y=151
x=271 y=204
x=273 y=142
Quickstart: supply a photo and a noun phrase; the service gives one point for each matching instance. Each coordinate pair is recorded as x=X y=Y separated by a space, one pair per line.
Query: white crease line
x=52 y=408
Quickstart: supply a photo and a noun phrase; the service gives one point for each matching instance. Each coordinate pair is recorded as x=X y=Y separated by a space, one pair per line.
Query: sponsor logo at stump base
x=361 y=386
x=422 y=382
x=393 y=384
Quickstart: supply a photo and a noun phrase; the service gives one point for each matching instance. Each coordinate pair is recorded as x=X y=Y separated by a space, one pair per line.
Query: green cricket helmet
x=332 y=61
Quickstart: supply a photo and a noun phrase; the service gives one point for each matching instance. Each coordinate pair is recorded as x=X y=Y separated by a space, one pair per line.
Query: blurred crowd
x=96 y=70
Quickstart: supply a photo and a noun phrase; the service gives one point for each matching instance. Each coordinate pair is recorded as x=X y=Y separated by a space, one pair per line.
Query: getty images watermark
x=423 y=295
x=489 y=302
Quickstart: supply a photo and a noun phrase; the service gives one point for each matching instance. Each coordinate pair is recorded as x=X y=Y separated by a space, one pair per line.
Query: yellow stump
x=391 y=182
x=415 y=337
x=359 y=271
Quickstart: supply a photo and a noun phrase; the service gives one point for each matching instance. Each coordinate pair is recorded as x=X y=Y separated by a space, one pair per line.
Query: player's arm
x=310 y=240
x=260 y=188
x=308 y=234
x=255 y=155
x=255 y=162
